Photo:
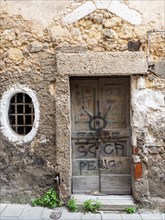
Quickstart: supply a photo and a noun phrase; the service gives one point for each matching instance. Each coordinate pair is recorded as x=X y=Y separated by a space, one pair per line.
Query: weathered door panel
x=115 y=184
x=115 y=151
x=112 y=94
x=100 y=136
x=115 y=175
x=85 y=184
x=84 y=160
x=115 y=165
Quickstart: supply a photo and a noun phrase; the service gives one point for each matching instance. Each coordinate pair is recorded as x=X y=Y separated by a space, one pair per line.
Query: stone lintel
x=101 y=63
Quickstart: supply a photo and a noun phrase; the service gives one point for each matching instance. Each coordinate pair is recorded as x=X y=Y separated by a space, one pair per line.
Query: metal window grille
x=21 y=113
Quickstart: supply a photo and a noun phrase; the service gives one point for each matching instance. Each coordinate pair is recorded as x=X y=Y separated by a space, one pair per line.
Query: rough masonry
x=86 y=38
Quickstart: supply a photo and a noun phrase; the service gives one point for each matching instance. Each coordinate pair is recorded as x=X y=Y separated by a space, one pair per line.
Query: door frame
x=85 y=64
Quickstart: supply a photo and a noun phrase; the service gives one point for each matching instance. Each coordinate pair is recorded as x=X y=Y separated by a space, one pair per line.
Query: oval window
x=21 y=113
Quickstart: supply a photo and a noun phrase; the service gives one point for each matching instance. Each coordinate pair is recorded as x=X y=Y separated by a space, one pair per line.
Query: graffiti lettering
x=90 y=150
x=92 y=165
x=93 y=137
x=82 y=151
x=86 y=138
x=106 y=164
x=86 y=151
x=87 y=165
x=113 y=148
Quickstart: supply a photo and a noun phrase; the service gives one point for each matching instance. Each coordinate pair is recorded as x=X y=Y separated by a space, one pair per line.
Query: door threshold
x=108 y=202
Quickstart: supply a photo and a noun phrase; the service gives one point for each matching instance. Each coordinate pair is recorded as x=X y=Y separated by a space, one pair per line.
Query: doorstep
x=108 y=202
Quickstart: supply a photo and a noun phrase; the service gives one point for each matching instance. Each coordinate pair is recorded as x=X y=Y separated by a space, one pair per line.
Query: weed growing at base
x=49 y=199
x=131 y=210
x=72 y=205
x=91 y=206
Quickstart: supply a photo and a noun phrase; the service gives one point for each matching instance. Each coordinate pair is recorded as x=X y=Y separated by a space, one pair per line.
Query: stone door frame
x=84 y=64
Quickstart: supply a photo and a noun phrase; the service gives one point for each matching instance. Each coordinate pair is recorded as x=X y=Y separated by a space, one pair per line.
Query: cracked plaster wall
x=148 y=132
x=30 y=40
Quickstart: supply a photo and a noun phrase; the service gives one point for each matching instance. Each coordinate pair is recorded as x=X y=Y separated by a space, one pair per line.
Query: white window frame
x=6 y=129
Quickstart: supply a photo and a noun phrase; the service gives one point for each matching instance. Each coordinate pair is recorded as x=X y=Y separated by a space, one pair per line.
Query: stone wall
x=148 y=132
x=28 y=51
x=29 y=60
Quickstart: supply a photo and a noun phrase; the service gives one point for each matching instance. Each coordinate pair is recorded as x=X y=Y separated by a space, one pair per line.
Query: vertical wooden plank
x=84 y=162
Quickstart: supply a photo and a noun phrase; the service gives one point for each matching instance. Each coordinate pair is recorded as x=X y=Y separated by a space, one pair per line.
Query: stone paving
x=26 y=212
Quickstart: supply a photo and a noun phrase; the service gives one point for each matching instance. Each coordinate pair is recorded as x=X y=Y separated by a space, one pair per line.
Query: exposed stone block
x=102 y=63
x=58 y=32
x=35 y=46
x=9 y=34
x=160 y=68
x=15 y=54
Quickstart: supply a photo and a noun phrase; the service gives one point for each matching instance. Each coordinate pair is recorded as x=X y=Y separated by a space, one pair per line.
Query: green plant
x=131 y=210
x=49 y=199
x=91 y=206
x=72 y=205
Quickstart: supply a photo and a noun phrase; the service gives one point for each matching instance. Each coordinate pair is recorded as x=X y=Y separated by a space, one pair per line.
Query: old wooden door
x=100 y=136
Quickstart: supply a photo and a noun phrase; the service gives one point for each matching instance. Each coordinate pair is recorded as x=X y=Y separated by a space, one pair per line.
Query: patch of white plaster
x=148 y=113
x=134 y=138
x=143 y=100
x=154 y=100
x=41 y=13
x=4 y=118
x=140 y=83
x=136 y=158
x=123 y=11
x=150 y=140
x=151 y=11
x=80 y=12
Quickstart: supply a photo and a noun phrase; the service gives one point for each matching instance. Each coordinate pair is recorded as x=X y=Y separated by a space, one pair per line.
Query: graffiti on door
x=97 y=143
x=99 y=135
x=94 y=165
x=98 y=122
x=105 y=164
x=88 y=150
